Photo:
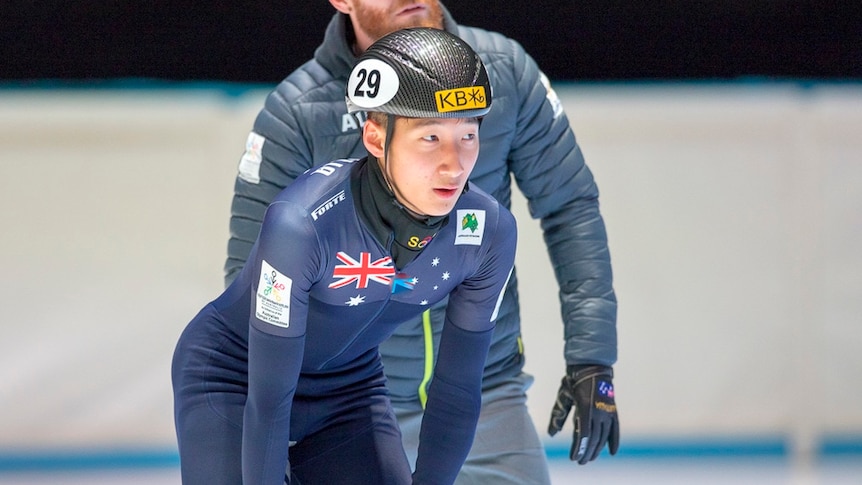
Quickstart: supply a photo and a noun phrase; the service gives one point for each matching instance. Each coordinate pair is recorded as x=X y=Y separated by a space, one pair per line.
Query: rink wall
x=733 y=212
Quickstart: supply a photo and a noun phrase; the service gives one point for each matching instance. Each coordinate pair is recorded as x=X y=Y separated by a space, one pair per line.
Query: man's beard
x=377 y=24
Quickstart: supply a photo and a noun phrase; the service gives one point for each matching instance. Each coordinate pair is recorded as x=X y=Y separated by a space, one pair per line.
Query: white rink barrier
x=733 y=212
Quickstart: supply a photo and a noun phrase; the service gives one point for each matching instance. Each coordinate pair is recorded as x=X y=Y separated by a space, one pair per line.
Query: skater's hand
x=590 y=389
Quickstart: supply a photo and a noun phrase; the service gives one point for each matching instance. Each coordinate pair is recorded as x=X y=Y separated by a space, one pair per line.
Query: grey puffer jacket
x=304 y=123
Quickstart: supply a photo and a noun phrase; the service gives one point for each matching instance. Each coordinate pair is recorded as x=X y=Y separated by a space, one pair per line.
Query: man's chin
x=419 y=21
x=427 y=16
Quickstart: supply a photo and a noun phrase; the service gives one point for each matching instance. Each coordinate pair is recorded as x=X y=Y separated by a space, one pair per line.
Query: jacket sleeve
x=276 y=153
x=549 y=169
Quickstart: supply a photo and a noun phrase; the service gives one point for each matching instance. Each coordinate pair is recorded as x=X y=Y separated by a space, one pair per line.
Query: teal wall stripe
x=841 y=446
x=692 y=448
x=48 y=460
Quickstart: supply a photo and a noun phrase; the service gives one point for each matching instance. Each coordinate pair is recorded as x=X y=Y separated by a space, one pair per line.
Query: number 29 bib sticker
x=372 y=83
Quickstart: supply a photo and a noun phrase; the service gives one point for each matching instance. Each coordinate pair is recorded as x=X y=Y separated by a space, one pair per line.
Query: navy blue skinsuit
x=289 y=352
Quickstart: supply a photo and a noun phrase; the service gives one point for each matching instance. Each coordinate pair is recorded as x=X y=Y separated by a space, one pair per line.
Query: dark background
x=590 y=40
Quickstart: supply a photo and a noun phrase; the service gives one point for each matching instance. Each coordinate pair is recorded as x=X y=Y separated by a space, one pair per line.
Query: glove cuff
x=580 y=372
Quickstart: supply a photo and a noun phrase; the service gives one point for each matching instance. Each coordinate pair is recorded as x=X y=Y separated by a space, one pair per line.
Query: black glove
x=591 y=390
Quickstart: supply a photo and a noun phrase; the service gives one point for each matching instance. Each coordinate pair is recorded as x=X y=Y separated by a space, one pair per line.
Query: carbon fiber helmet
x=420 y=73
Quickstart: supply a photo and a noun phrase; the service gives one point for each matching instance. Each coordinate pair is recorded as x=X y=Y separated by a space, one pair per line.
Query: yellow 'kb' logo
x=460 y=99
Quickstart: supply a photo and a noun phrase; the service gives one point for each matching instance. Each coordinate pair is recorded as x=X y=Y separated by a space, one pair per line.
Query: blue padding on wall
x=229 y=89
x=150 y=458
x=88 y=459
x=840 y=445
x=692 y=448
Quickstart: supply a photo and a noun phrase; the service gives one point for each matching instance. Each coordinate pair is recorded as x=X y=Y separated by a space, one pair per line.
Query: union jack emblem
x=362 y=271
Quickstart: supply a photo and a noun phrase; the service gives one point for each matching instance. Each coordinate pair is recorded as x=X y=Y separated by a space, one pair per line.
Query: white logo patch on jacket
x=556 y=104
x=249 y=164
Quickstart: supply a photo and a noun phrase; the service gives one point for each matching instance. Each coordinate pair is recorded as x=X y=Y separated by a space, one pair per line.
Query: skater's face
x=428 y=160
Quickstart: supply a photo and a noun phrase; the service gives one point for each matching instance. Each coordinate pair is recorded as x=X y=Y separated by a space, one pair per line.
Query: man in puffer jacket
x=304 y=123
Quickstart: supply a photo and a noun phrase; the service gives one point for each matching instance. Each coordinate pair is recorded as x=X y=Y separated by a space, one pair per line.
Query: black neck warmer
x=388 y=219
